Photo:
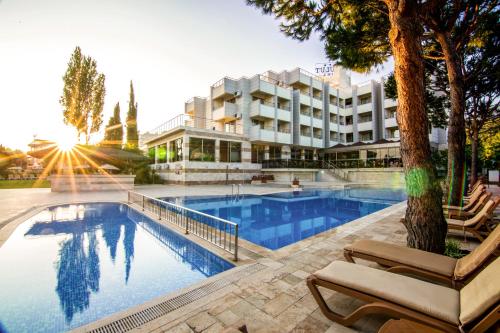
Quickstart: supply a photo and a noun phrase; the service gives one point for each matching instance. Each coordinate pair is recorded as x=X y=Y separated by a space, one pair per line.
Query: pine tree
x=132 y=133
x=113 y=137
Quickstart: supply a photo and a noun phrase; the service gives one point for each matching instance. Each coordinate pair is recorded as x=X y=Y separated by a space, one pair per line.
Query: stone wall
x=80 y=183
x=384 y=176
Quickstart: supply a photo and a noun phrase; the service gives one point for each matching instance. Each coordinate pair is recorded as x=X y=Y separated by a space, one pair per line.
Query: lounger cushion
x=480 y=294
x=468 y=264
x=407 y=256
x=428 y=298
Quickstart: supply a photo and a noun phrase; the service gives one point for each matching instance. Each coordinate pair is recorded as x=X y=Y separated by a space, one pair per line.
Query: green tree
x=435 y=104
x=453 y=27
x=113 y=137
x=132 y=134
x=362 y=34
x=83 y=95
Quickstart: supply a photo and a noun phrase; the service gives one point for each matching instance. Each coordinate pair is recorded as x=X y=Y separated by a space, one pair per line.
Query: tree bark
x=424 y=218
x=474 y=152
x=456 y=123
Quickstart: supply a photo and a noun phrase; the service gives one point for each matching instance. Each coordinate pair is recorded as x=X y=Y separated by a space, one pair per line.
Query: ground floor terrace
x=266 y=292
x=195 y=156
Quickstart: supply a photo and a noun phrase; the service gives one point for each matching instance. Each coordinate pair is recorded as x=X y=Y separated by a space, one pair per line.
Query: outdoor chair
x=470 y=196
x=469 y=210
x=474 y=308
x=428 y=265
x=478 y=224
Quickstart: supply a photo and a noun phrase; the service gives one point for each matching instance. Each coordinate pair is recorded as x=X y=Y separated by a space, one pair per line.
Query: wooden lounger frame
x=380 y=306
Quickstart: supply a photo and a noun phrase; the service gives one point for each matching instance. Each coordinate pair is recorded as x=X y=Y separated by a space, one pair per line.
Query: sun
x=66 y=144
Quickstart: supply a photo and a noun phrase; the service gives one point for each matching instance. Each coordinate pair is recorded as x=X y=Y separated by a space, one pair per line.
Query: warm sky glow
x=172 y=50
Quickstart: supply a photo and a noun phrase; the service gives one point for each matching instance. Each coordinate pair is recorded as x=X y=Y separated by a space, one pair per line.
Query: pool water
x=280 y=219
x=74 y=264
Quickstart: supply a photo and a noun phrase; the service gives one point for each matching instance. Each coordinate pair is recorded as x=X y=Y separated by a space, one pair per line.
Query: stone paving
x=276 y=298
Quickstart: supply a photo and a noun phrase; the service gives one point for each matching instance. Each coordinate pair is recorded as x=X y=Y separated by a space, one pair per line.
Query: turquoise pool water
x=280 y=219
x=74 y=264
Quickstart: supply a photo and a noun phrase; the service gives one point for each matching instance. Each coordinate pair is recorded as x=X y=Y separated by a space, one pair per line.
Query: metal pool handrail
x=222 y=233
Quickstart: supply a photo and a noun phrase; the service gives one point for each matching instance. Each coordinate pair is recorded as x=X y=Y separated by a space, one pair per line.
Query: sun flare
x=66 y=145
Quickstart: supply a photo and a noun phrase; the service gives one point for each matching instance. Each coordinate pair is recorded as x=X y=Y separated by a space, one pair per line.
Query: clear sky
x=172 y=50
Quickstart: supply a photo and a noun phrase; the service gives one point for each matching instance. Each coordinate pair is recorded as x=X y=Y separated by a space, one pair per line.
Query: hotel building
x=292 y=124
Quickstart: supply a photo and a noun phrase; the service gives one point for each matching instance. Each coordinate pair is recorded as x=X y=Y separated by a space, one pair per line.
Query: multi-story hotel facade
x=291 y=124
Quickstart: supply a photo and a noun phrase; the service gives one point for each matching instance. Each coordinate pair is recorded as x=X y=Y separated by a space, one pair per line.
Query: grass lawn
x=5 y=184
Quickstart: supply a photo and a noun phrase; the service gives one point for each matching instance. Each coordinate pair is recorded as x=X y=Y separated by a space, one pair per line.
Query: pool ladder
x=236 y=191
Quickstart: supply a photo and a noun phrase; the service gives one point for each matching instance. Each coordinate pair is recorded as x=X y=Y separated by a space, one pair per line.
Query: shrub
x=453 y=249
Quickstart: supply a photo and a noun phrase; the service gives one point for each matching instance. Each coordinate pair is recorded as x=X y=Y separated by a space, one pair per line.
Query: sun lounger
x=475 y=308
x=469 y=210
x=476 y=225
x=402 y=259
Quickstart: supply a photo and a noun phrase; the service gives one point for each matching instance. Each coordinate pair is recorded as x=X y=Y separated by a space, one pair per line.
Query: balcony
x=389 y=103
x=262 y=134
x=284 y=115
x=258 y=109
x=390 y=122
x=284 y=137
x=227 y=112
x=317 y=103
x=317 y=143
x=317 y=122
x=225 y=87
x=305 y=120
x=345 y=128
x=299 y=76
x=262 y=84
x=304 y=99
x=365 y=126
x=365 y=108
x=305 y=141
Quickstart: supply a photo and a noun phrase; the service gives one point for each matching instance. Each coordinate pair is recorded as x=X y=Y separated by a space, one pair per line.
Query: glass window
x=151 y=154
x=295 y=153
x=175 y=150
x=230 y=151
x=235 y=148
x=274 y=152
x=308 y=154
x=201 y=150
x=162 y=153
x=224 y=151
x=257 y=153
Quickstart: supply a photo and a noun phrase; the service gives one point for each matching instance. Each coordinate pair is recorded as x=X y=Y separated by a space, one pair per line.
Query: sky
x=170 y=49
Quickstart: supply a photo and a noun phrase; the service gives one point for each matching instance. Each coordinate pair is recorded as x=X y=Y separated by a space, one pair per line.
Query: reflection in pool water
x=70 y=265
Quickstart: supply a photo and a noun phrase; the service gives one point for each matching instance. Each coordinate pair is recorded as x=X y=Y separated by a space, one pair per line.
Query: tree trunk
x=456 y=123
x=474 y=145
x=424 y=218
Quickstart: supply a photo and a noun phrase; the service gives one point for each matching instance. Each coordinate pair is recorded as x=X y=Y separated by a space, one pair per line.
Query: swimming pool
x=74 y=264
x=279 y=219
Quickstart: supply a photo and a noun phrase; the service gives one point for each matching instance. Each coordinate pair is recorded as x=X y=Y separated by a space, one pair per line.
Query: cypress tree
x=132 y=134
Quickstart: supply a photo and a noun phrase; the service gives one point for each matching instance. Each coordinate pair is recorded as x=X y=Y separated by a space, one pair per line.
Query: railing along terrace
x=273 y=81
x=389 y=162
x=186 y=120
x=219 y=232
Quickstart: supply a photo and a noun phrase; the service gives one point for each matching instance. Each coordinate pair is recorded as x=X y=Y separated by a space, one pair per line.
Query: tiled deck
x=274 y=299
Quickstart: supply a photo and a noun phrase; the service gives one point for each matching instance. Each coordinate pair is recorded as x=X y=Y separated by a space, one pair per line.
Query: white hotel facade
x=291 y=124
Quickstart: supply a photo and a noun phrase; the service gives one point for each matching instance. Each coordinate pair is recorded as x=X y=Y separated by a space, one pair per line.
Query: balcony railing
x=186 y=120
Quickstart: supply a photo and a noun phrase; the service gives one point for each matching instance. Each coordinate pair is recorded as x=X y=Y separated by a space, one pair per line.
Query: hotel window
x=274 y=152
x=295 y=153
x=201 y=150
x=230 y=151
x=162 y=153
x=257 y=153
x=175 y=150
x=308 y=154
